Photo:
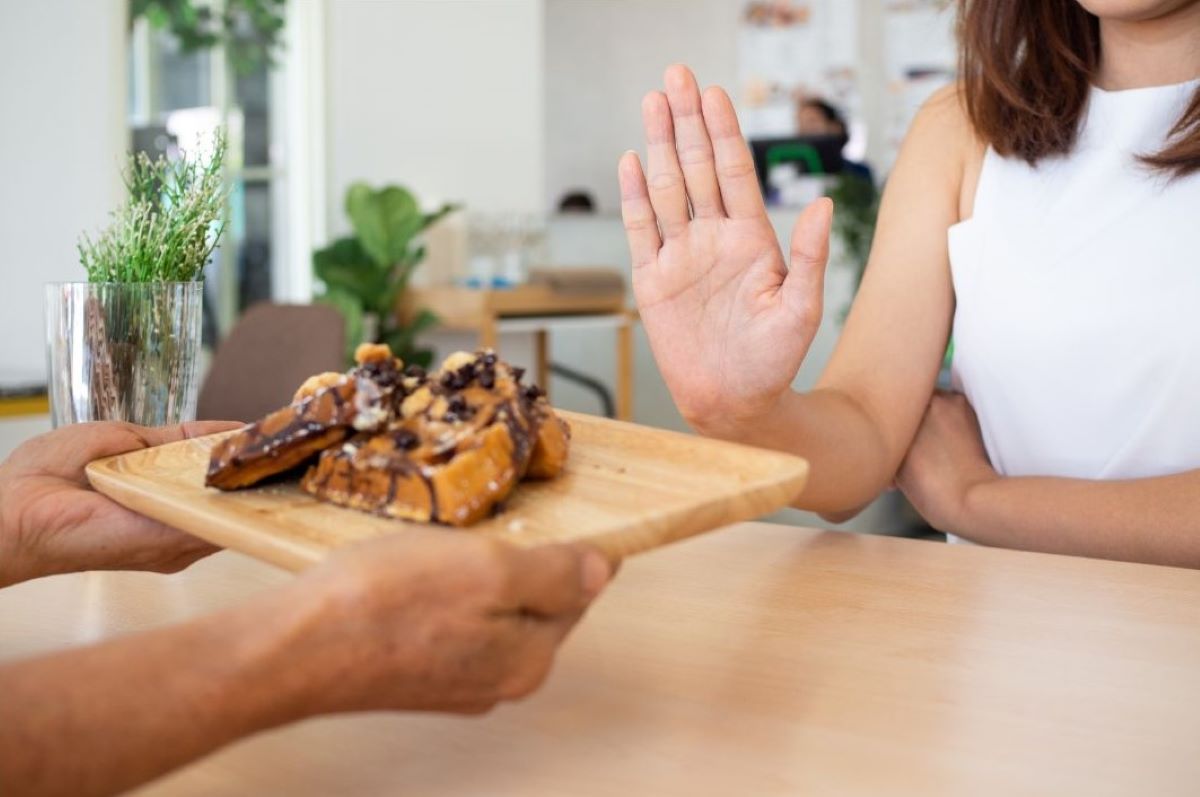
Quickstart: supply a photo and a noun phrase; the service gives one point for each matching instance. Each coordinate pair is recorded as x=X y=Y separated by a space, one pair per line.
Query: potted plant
x=125 y=344
x=366 y=273
x=856 y=203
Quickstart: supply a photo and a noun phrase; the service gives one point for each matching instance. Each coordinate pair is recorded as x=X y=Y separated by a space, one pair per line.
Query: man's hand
x=51 y=521
x=728 y=320
x=946 y=461
x=417 y=620
x=436 y=621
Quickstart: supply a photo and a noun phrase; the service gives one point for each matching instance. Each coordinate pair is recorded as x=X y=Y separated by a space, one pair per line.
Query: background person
x=816 y=117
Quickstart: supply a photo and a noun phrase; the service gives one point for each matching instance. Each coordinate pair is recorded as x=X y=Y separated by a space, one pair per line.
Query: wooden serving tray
x=626 y=489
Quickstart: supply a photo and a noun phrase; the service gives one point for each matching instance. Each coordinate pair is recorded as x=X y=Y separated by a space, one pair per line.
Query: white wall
x=601 y=57
x=442 y=96
x=62 y=100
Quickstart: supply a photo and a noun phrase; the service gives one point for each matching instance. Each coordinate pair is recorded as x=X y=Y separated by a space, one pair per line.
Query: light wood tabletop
x=760 y=660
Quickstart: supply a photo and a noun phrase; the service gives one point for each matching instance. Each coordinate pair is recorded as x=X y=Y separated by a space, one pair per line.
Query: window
x=178 y=100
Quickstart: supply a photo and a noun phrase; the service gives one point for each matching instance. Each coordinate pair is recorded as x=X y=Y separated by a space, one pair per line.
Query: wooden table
x=762 y=660
x=534 y=308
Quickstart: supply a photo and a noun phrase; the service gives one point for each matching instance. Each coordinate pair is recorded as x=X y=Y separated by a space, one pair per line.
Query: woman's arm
x=949 y=480
x=1155 y=520
x=415 y=621
x=730 y=322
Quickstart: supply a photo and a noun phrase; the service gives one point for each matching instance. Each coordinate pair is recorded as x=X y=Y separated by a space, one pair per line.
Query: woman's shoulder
x=942 y=122
x=943 y=138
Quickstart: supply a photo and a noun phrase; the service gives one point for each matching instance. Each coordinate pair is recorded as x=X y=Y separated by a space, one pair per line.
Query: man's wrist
x=13 y=566
x=274 y=679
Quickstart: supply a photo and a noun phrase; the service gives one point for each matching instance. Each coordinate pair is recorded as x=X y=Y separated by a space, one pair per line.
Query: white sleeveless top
x=1077 y=326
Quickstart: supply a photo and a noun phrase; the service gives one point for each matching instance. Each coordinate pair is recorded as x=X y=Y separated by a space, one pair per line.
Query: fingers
x=734 y=167
x=557 y=580
x=692 y=145
x=804 y=287
x=161 y=435
x=641 y=227
x=664 y=176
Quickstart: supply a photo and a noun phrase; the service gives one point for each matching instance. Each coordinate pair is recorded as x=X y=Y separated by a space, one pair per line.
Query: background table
x=761 y=660
x=538 y=310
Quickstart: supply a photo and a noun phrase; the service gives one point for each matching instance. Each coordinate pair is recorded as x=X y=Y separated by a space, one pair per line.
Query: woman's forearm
x=851 y=461
x=1155 y=520
x=102 y=719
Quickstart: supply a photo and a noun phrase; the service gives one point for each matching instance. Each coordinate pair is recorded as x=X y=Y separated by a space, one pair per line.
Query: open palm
x=728 y=321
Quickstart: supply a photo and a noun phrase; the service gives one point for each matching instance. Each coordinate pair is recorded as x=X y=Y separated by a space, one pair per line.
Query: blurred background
x=513 y=112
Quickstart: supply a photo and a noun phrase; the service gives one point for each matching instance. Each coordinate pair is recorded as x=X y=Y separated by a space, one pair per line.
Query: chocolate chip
x=487 y=379
x=457 y=404
x=405 y=440
x=381 y=372
x=533 y=392
x=415 y=370
x=489 y=358
x=518 y=373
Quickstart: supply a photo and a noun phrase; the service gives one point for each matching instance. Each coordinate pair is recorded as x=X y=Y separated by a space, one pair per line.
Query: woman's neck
x=1154 y=52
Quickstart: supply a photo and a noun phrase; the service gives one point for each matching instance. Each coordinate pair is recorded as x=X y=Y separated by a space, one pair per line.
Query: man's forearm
x=105 y=718
x=1155 y=520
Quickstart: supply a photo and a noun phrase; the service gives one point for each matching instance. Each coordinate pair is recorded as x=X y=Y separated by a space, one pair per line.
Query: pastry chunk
x=461 y=442
x=550 y=449
x=447 y=447
x=327 y=409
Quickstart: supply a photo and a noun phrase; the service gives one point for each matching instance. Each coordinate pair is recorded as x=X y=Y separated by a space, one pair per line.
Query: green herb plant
x=365 y=274
x=169 y=225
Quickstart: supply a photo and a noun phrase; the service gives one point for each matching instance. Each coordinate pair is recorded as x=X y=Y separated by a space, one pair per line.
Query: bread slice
x=460 y=444
x=325 y=411
x=549 y=457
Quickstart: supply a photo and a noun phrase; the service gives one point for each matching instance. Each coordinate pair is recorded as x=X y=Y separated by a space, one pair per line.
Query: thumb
x=161 y=435
x=804 y=287
x=556 y=580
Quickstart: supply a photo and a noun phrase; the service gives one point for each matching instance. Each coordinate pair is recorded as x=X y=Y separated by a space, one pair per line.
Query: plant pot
x=123 y=351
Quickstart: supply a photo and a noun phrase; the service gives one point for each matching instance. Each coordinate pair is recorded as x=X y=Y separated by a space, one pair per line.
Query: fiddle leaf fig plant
x=365 y=274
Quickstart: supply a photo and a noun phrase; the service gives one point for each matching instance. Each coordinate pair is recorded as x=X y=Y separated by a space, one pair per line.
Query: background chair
x=265 y=357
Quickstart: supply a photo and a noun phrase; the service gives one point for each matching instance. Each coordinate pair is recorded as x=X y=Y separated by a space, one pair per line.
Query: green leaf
x=436 y=216
x=385 y=221
x=421 y=357
x=346 y=267
x=352 y=311
x=425 y=319
x=402 y=339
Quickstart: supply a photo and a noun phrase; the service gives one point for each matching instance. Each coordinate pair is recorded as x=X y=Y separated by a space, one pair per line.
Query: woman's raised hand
x=728 y=321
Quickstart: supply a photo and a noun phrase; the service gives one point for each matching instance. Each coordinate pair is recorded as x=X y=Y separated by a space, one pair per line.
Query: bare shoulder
x=942 y=122
x=942 y=142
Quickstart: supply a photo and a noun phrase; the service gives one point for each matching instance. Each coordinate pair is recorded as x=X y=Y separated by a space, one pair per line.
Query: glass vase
x=123 y=351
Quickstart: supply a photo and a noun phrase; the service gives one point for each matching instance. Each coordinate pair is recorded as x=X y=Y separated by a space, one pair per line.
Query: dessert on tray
x=448 y=446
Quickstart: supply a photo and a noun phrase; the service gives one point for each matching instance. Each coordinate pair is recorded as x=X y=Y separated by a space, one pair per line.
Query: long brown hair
x=1027 y=67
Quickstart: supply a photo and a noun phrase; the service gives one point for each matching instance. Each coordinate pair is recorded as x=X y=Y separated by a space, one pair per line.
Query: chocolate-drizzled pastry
x=458 y=447
x=325 y=410
x=549 y=456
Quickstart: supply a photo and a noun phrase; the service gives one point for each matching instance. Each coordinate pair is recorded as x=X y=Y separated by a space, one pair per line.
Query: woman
x=1046 y=211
